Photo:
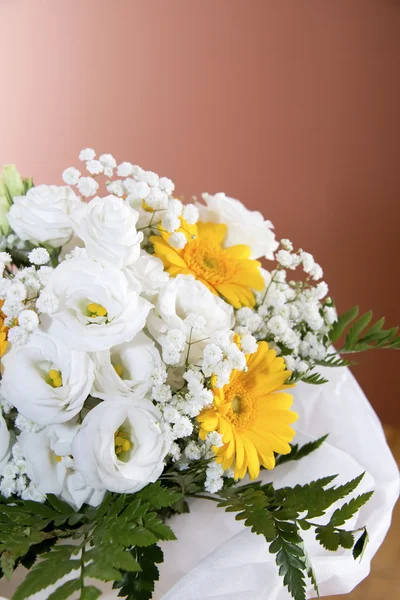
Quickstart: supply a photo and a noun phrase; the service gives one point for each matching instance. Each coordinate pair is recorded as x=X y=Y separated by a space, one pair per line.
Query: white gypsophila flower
x=157 y=199
x=161 y=393
x=125 y=370
x=5 y=284
x=142 y=461
x=125 y=169
x=39 y=256
x=71 y=176
x=248 y=344
x=87 y=154
x=171 y=414
x=277 y=325
x=16 y=292
x=286 y=245
x=87 y=186
x=286 y=259
x=18 y=337
x=43 y=215
x=214 y=481
x=316 y=272
x=175 y=207
x=116 y=188
x=307 y=260
x=43 y=275
x=215 y=439
x=177 y=240
x=47 y=303
x=28 y=320
x=56 y=380
x=98 y=307
x=194 y=321
x=166 y=185
x=107 y=226
x=159 y=375
x=248 y=318
x=5 y=443
x=94 y=167
x=193 y=451
x=243 y=226
x=191 y=214
x=5 y=258
x=170 y=222
x=138 y=190
x=149 y=177
x=175 y=452
x=108 y=161
x=182 y=428
x=24 y=424
x=180 y=297
x=236 y=357
x=330 y=314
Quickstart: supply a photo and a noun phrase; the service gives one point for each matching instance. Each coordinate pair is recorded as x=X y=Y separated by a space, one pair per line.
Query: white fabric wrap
x=217 y=558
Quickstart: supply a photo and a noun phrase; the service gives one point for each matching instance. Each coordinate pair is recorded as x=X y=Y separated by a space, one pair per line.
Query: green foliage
x=115 y=542
x=360 y=335
x=299 y=452
x=281 y=514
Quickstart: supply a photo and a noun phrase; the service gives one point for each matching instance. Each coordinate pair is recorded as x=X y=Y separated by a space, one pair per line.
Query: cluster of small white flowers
x=214 y=477
x=14 y=479
x=22 y=295
x=223 y=355
x=13 y=242
x=291 y=315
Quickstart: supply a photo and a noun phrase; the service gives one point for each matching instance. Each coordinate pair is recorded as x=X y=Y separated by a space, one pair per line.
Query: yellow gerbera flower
x=3 y=332
x=252 y=414
x=228 y=272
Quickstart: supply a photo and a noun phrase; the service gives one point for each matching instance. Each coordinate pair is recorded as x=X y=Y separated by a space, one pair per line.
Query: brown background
x=291 y=106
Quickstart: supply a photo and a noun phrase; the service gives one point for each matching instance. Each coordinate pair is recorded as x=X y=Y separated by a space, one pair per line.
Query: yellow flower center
x=121 y=442
x=238 y=406
x=55 y=378
x=96 y=310
x=208 y=261
x=118 y=370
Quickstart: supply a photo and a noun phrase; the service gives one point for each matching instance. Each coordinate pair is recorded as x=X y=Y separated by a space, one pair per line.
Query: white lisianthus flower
x=50 y=468
x=5 y=440
x=120 y=446
x=148 y=272
x=180 y=297
x=108 y=228
x=125 y=370
x=244 y=226
x=98 y=308
x=43 y=215
x=45 y=381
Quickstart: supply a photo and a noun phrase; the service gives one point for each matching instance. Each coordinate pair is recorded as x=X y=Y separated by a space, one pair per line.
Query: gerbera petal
x=239 y=473
x=214 y=232
x=253 y=464
x=240 y=251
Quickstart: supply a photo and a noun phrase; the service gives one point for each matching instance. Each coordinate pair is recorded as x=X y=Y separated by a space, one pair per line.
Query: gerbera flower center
x=239 y=406
x=208 y=261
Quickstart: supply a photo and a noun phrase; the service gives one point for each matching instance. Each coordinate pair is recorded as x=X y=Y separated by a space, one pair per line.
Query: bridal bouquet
x=148 y=357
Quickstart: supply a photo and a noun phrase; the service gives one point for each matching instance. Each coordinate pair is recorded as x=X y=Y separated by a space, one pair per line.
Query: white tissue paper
x=216 y=558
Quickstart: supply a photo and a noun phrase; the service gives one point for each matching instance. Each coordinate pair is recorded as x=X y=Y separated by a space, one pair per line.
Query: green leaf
x=42 y=575
x=345 y=512
x=292 y=567
x=7 y=563
x=314 y=379
x=117 y=556
x=102 y=570
x=59 y=505
x=65 y=590
x=90 y=593
x=357 y=329
x=328 y=537
x=159 y=496
x=343 y=321
x=140 y=586
x=153 y=523
x=360 y=545
x=300 y=452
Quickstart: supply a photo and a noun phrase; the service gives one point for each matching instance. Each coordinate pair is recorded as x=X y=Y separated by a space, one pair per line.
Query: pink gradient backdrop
x=294 y=107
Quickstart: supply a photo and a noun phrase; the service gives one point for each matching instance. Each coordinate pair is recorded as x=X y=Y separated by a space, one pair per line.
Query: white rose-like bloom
x=94 y=447
x=108 y=228
x=98 y=307
x=4 y=443
x=43 y=215
x=183 y=296
x=244 y=226
x=49 y=467
x=148 y=272
x=125 y=370
x=45 y=380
